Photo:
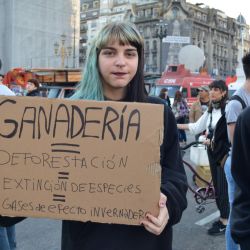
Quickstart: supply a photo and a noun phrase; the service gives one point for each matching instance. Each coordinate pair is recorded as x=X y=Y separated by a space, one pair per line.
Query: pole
x=161 y=55
x=74 y=41
x=162 y=31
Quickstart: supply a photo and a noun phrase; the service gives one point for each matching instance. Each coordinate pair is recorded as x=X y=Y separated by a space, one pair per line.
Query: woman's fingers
x=163 y=200
x=156 y=225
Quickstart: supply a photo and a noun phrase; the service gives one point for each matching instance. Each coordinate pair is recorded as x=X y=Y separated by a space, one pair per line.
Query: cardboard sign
x=79 y=160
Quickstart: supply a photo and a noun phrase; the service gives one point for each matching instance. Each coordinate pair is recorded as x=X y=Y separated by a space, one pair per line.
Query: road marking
x=208 y=219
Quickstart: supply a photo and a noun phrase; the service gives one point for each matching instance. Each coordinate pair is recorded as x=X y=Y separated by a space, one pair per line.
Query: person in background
x=209 y=121
x=32 y=87
x=7 y=234
x=240 y=219
x=180 y=110
x=4 y=90
x=164 y=95
x=200 y=106
x=114 y=71
x=233 y=109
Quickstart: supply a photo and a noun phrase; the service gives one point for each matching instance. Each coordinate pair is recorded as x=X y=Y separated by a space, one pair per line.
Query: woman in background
x=212 y=120
x=180 y=110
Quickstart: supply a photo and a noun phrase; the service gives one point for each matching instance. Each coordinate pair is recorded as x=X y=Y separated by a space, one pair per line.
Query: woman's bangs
x=117 y=34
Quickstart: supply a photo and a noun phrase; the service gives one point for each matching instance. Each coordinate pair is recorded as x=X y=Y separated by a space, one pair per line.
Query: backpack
x=220 y=144
x=239 y=99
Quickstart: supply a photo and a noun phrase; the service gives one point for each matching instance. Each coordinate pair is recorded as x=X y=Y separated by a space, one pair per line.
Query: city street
x=189 y=234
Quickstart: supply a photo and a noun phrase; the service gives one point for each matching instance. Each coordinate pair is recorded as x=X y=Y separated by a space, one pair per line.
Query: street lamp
x=62 y=50
x=161 y=33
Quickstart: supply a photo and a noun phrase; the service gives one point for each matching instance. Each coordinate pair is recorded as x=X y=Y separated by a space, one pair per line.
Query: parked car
x=56 y=91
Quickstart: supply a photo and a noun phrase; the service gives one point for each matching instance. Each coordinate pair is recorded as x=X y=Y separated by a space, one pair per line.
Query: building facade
x=31 y=31
x=168 y=25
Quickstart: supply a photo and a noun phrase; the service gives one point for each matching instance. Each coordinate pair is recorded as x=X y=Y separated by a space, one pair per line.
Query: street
x=189 y=234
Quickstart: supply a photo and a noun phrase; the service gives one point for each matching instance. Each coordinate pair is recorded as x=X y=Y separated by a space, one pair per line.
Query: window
x=148 y=12
x=175 y=12
x=140 y=13
x=155 y=12
x=154 y=61
x=204 y=17
x=194 y=92
x=96 y=4
x=83 y=15
x=184 y=92
x=155 y=45
x=85 y=7
x=198 y=14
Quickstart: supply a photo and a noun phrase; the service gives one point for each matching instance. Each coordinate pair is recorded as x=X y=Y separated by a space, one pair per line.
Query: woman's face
x=216 y=94
x=118 y=65
x=30 y=86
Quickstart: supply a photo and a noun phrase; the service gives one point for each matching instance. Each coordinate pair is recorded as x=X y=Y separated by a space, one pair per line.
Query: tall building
x=31 y=32
x=168 y=25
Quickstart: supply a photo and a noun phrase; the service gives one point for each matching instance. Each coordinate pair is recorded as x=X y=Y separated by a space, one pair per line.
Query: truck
x=55 y=82
x=177 y=77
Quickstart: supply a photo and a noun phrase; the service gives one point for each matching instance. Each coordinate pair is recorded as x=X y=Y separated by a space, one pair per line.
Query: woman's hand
x=207 y=142
x=183 y=126
x=156 y=225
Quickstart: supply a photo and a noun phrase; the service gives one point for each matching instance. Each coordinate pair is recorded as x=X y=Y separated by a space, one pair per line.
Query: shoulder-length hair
x=178 y=96
x=220 y=84
x=90 y=87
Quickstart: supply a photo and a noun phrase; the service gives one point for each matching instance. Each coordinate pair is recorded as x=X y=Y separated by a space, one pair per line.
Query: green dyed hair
x=90 y=87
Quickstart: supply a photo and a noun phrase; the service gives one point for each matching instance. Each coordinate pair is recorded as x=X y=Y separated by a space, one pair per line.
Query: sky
x=229 y=7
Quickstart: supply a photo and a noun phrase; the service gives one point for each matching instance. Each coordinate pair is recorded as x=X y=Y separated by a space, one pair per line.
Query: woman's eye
x=131 y=54
x=108 y=52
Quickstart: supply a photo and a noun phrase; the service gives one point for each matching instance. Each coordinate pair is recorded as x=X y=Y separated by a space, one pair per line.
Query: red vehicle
x=177 y=77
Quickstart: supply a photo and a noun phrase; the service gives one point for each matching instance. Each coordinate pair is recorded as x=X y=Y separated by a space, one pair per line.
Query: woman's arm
x=174 y=181
x=183 y=126
x=197 y=127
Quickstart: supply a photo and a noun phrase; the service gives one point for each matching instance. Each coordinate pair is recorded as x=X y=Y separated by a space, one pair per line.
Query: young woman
x=215 y=115
x=33 y=88
x=180 y=110
x=114 y=71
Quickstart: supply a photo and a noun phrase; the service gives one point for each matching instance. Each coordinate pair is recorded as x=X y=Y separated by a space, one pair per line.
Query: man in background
x=239 y=100
x=164 y=95
x=200 y=106
x=240 y=219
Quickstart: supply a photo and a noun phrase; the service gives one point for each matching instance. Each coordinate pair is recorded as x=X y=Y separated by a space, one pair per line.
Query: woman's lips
x=119 y=73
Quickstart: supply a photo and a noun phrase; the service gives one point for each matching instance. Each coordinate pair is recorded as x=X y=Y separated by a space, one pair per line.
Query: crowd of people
x=114 y=72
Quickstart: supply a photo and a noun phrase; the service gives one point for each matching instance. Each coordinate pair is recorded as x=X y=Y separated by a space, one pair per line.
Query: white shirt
x=204 y=121
x=4 y=90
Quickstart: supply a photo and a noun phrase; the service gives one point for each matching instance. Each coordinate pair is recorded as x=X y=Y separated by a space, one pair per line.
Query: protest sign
x=79 y=160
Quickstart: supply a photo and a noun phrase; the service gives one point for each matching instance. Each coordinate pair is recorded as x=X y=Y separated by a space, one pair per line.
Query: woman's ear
x=224 y=93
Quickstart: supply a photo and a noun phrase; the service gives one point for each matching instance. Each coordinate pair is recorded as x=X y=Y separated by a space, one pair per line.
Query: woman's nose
x=120 y=60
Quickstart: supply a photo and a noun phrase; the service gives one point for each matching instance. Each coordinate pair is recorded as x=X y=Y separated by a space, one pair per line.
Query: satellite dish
x=192 y=56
